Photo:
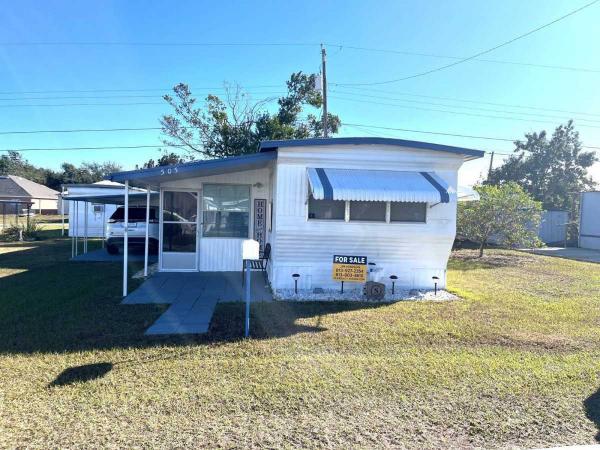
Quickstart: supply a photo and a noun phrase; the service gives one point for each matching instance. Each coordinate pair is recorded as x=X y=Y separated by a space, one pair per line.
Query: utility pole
x=324 y=78
x=491 y=162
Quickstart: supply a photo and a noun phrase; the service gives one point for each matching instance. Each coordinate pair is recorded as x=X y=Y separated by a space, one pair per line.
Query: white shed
x=97 y=213
x=589 y=220
x=390 y=200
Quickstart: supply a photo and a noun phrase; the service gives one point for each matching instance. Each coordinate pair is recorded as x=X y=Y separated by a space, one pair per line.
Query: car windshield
x=135 y=215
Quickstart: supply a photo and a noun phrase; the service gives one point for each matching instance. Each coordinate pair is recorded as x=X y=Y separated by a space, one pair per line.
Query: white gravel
x=357 y=295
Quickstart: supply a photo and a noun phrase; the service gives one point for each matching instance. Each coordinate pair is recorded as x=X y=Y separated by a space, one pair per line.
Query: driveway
x=579 y=254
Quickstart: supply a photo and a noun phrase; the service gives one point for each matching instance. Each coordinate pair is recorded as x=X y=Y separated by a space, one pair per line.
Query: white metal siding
x=589 y=227
x=413 y=252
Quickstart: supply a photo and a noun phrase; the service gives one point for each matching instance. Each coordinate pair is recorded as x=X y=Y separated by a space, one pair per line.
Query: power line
x=476 y=55
x=440 y=133
x=463 y=113
x=116 y=147
x=82 y=130
x=495 y=61
x=82 y=104
x=165 y=89
x=466 y=107
x=454 y=99
x=156 y=44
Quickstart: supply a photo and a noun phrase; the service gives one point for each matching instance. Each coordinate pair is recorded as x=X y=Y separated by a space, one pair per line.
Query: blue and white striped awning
x=377 y=185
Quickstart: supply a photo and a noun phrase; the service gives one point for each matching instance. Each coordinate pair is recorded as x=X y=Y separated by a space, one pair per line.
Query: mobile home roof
x=268 y=146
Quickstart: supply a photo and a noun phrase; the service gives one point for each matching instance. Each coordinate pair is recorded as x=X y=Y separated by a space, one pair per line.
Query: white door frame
x=198 y=192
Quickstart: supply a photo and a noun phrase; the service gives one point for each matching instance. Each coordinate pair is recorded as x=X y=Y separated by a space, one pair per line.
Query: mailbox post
x=250 y=251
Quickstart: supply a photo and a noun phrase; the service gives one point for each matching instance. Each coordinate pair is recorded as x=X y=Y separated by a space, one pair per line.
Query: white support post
x=76 y=228
x=126 y=238
x=146 y=242
x=85 y=227
x=71 y=230
x=103 y=224
x=62 y=213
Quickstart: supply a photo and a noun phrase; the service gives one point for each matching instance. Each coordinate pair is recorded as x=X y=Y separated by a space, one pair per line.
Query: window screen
x=326 y=209
x=368 y=211
x=226 y=210
x=179 y=206
x=407 y=212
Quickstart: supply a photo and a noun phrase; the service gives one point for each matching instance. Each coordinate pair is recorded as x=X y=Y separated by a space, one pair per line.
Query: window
x=368 y=211
x=226 y=211
x=326 y=209
x=135 y=215
x=407 y=212
x=98 y=209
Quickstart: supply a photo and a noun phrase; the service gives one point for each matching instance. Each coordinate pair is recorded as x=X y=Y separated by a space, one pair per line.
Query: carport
x=140 y=197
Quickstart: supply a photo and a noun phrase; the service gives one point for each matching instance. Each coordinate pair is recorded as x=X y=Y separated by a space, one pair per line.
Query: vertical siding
x=589 y=227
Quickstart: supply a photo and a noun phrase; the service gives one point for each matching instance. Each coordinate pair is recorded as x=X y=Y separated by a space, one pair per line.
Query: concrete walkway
x=579 y=254
x=193 y=297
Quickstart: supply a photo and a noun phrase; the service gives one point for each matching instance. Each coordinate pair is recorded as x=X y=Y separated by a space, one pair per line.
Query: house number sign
x=260 y=221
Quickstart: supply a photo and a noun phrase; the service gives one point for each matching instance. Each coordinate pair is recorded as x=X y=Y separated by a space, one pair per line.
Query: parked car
x=115 y=229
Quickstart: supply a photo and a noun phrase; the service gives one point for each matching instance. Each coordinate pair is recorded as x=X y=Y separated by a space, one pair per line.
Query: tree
x=235 y=126
x=504 y=211
x=166 y=159
x=88 y=172
x=13 y=163
x=553 y=171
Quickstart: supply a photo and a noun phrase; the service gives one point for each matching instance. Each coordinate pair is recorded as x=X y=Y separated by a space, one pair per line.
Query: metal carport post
x=126 y=238
x=146 y=241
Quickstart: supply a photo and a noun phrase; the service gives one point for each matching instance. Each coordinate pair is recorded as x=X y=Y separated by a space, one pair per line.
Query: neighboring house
x=97 y=212
x=589 y=220
x=43 y=200
x=393 y=201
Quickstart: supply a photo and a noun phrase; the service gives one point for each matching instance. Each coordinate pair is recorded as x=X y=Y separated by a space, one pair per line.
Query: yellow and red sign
x=349 y=268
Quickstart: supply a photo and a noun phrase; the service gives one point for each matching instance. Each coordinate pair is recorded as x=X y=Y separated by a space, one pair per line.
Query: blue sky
x=458 y=28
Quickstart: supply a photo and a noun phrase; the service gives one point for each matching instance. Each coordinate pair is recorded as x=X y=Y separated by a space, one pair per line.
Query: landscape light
x=393 y=278
x=295 y=276
x=435 y=282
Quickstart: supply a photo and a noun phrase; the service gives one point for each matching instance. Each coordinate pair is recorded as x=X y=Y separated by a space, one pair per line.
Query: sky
x=88 y=65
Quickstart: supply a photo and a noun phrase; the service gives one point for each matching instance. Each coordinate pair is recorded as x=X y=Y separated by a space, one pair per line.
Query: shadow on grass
x=592 y=410
x=47 y=305
x=469 y=259
x=78 y=374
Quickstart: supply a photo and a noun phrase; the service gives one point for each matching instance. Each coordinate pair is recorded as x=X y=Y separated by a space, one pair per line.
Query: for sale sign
x=350 y=268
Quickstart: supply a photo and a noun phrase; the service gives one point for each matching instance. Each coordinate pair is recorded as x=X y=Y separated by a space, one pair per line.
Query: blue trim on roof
x=327 y=188
x=268 y=146
x=444 y=196
x=178 y=170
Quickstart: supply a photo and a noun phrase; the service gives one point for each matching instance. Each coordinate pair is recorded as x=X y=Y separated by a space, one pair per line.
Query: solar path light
x=393 y=278
x=295 y=276
x=435 y=282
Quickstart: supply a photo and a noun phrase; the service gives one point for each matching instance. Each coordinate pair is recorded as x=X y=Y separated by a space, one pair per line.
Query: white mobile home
x=589 y=220
x=393 y=201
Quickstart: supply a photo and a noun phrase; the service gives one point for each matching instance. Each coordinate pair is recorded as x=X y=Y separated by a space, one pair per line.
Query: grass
x=516 y=362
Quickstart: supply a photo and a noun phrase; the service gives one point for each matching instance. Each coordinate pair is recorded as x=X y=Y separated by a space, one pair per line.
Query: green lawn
x=516 y=362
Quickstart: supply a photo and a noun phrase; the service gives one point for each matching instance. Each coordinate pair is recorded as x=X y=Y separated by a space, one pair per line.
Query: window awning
x=377 y=185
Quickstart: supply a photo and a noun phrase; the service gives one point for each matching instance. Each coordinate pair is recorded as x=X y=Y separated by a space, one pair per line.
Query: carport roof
x=135 y=198
x=157 y=175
